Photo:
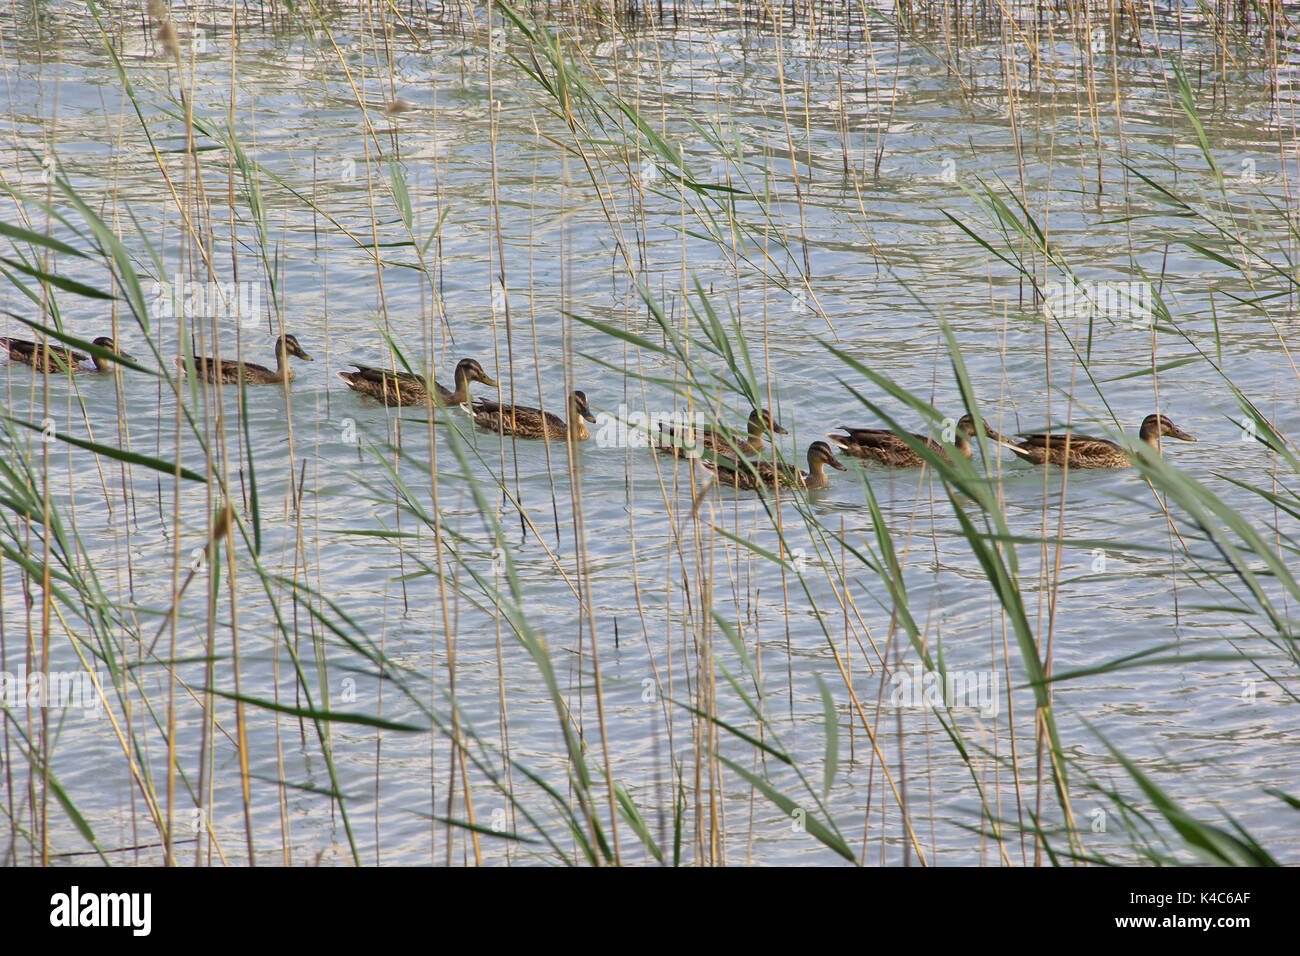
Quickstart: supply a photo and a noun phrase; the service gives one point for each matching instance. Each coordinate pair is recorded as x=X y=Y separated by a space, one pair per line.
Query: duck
x=886 y=447
x=233 y=371
x=524 y=422
x=406 y=388
x=718 y=442
x=1083 y=451
x=757 y=475
x=52 y=358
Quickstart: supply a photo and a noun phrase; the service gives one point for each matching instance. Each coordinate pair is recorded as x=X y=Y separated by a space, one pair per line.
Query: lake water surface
x=849 y=153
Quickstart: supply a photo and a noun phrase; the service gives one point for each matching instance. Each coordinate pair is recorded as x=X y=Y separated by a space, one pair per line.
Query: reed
x=328 y=631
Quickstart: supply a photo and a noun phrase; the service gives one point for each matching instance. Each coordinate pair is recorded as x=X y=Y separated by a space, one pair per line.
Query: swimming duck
x=524 y=422
x=52 y=358
x=1083 y=451
x=233 y=371
x=717 y=442
x=754 y=475
x=405 y=388
x=888 y=448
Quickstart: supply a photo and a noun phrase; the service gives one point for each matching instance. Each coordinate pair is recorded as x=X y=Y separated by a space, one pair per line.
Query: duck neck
x=816 y=471
x=577 y=427
x=1150 y=434
x=282 y=371
x=461 y=395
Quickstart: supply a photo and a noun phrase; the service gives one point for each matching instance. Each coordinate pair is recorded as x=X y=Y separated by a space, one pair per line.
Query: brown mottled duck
x=524 y=422
x=1083 y=451
x=233 y=371
x=41 y=356
x=406 y=388
x=718 y=442
x=58 y=358
x=757 y=475
x=888 y=448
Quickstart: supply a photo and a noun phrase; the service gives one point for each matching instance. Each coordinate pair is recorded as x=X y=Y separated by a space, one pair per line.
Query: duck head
x=1154 y=426
x=761 y=420
x=288 y=345
x=820 y=453
x=579 y=406
x=106 y=342
x=469 y=370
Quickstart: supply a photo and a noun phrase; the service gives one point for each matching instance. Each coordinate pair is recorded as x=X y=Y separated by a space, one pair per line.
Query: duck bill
x=1176 y=432
x=777 y=429
x=489 y=382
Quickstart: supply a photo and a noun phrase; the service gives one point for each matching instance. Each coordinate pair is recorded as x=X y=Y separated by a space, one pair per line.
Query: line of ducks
x=734 y=462
x=1063 y=448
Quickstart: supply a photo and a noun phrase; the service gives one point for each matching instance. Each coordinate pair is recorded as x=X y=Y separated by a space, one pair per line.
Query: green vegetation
x=206 y=556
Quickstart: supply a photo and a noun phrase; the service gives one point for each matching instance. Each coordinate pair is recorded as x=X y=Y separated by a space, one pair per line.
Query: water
x=885 y=264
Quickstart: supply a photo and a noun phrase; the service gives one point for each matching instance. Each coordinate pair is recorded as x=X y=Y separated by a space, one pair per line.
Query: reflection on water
x=861 y=146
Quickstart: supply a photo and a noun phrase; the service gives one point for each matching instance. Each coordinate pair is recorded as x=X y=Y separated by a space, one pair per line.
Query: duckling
x=1083 y=451
x=233 y=371
x=721 y=443
x=404 y=388
x=888 y=448
x=524 y=422
x=757 y=475
x=42 y=356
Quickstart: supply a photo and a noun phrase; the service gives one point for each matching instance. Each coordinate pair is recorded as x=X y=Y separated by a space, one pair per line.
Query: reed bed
x=319 y=630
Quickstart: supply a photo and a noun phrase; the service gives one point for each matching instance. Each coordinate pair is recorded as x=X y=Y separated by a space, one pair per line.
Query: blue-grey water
x=582 y=222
